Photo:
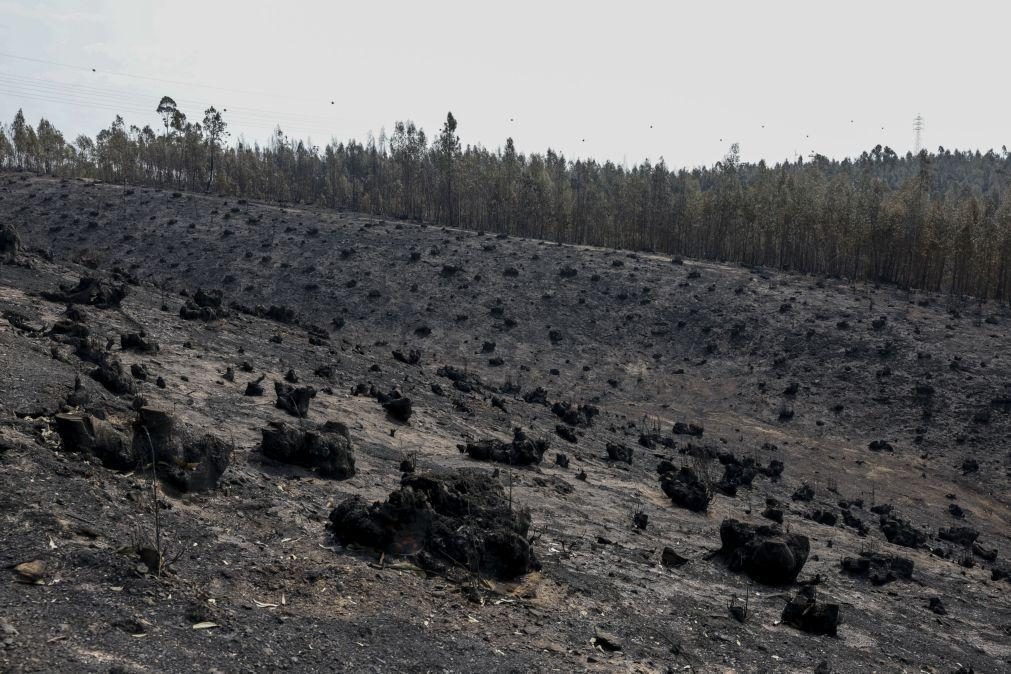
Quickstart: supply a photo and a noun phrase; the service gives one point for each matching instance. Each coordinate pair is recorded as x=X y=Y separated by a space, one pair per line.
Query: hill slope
x=773 y=367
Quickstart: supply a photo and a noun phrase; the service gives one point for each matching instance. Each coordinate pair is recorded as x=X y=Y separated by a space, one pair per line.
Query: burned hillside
x=267 y=437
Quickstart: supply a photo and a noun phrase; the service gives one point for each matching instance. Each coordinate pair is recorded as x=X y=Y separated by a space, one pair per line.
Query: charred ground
x=898 y=401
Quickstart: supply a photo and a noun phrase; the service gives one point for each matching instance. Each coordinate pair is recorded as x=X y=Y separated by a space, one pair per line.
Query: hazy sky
x=618 y=80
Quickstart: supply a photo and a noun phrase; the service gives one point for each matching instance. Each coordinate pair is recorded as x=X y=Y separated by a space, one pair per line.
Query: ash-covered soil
x=874 y=422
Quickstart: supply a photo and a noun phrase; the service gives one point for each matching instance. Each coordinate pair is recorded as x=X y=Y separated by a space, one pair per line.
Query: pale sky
x=618 y=80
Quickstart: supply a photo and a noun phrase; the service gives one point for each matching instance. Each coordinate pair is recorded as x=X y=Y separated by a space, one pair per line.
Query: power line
x=918 y=125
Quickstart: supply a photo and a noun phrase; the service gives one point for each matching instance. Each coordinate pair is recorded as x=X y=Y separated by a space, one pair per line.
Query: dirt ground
x=773 y=366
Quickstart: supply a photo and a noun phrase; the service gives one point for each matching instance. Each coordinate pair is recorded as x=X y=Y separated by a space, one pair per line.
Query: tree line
x=938 y=221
